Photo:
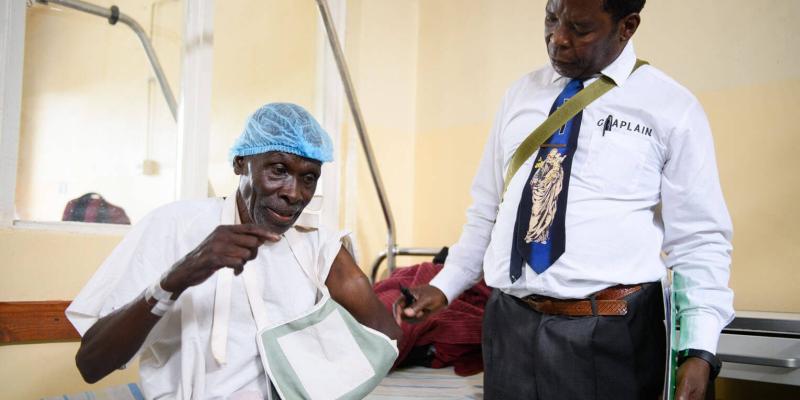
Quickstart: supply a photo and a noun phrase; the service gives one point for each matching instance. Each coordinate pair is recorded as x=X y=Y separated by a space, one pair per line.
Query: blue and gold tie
x=539 y=230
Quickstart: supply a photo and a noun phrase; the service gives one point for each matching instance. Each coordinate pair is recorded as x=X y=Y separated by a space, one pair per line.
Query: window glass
x=97 y=139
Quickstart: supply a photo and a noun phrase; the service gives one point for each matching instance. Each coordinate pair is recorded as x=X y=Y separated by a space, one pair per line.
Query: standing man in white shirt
x=573 y=247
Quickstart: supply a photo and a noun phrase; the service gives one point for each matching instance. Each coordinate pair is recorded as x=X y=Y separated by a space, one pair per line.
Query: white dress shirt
x=176 y=360
x=659 y=151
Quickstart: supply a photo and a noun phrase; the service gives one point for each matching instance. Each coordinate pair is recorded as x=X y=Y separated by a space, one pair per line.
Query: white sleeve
x=330 y=243
x=463 y=267
x=145 y=252
x=697 y=233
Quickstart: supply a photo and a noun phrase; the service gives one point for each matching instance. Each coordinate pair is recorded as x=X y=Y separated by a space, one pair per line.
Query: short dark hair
x=621 y=8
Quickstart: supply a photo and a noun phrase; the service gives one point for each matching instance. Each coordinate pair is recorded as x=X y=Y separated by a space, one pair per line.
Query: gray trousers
x=534 y=356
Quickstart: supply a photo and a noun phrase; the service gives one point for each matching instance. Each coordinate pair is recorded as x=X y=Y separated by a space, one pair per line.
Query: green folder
x=670 y=322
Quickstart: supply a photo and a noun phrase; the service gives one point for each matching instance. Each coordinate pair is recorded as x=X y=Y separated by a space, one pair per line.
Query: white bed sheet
x=406 y=384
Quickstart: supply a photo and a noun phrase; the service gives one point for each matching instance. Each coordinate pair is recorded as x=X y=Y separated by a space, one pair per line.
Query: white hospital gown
x=175 y=360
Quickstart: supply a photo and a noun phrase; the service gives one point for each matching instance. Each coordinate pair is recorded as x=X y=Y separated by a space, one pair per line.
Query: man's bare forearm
x=114 y=339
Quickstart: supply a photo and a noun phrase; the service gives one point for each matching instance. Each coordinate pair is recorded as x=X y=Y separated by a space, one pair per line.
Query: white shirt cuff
x=699 y=332
x=452 y=281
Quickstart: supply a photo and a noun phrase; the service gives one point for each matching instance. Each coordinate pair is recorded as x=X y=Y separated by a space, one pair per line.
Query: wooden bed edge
x=24 y=322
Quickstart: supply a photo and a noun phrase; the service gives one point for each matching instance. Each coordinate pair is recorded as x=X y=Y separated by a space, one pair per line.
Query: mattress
x=404 y=384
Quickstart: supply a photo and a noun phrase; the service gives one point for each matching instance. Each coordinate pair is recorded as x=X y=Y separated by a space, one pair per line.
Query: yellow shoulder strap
x=557 y=119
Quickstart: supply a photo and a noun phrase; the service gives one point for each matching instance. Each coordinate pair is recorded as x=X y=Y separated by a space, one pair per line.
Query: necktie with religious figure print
x=539 y=230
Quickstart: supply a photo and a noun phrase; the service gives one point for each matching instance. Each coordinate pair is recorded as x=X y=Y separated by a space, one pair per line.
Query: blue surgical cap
x=283 y=127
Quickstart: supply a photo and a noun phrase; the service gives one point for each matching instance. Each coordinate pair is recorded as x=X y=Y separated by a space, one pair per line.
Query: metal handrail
x=400 y=251
x=391 y=244
x=113 y=15
x=344 y=74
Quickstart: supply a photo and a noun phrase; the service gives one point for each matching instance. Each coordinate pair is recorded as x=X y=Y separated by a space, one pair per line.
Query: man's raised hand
x=230 y=246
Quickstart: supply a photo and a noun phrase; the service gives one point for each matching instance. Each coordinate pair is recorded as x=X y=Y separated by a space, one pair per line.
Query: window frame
x=194 y=114
x=12 y=52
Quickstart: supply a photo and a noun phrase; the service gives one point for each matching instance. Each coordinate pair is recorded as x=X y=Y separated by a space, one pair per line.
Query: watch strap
x=707 y=356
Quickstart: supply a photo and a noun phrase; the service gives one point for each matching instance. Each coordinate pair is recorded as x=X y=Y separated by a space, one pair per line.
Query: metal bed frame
x=391 y=243
x=113 y=15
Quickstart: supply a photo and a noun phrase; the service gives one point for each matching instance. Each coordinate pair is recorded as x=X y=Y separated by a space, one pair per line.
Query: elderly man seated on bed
x=172 y=291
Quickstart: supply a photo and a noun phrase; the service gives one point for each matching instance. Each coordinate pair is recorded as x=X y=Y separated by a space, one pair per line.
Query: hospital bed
x=756 y=346
x=44 y=321
x=407 y=384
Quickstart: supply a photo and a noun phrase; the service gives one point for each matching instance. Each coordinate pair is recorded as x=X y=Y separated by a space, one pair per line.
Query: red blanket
x=454 y=333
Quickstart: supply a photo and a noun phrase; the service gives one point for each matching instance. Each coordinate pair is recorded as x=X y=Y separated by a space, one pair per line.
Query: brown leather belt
x=608 y=301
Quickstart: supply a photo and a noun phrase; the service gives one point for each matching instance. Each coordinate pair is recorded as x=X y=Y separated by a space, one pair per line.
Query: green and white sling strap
x=324 y=353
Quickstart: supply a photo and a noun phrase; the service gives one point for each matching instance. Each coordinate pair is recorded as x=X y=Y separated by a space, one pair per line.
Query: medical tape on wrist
x=163 y=298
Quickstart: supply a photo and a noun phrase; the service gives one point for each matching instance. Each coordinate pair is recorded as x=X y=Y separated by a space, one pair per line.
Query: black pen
x=607 y=125
x=407 y=296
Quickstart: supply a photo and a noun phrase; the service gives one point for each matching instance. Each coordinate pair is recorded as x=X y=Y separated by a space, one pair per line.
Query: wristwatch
x=706 y=356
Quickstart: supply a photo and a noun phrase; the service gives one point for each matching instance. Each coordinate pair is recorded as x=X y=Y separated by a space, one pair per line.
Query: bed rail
x=391 y=242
